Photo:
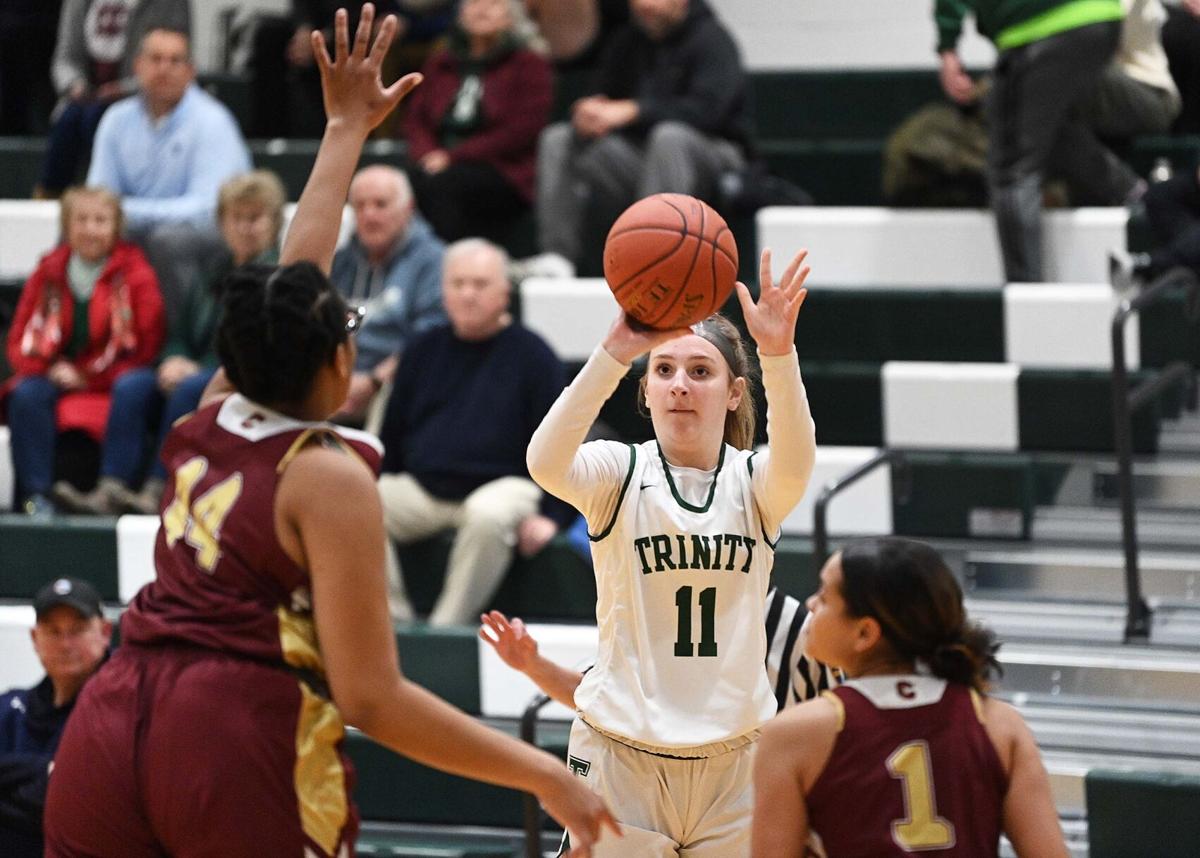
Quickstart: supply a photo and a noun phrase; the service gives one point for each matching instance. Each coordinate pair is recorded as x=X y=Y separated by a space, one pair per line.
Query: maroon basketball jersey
x=912 y=771
x=223 y=580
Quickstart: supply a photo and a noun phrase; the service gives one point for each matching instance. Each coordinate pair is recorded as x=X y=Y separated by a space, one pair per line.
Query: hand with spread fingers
x=351 y=84
x=772 y=319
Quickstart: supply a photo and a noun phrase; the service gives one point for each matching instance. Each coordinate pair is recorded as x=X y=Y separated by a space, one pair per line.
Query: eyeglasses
x=354 y=319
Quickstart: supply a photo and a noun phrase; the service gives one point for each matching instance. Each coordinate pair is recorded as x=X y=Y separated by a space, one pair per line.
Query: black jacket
x=694 y=75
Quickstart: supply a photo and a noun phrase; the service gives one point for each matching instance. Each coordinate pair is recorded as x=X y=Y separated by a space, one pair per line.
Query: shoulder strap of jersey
x=620 y=498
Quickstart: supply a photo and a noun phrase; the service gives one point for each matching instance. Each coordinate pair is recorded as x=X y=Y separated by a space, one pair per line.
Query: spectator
x=1136 y=94
x=166 y=151
x=71 y=639
x=1173 y=210
x=148 y=399
x=577 y=30
x=670 y=113
x=393 y=267
x=1181 y=41
x=90 y=312
x=466 y=400
x=1051 y=54
x=472 y=125
x=92 y=68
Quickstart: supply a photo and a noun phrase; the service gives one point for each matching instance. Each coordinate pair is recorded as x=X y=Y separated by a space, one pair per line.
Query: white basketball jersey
x=682 y=571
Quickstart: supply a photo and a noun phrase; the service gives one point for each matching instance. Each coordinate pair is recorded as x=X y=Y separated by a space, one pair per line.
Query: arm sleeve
x=716 y=77
x=780 y=481
x=221 y=153
x=523 y=115
x=70 y=58
x=587 y=476
x=103 y=169
x=949 y=15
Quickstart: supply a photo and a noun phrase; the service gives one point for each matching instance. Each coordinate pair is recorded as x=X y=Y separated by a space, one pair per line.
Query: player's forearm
x=427 y=729
x=791 y=435
x=552 y=448
x=556 y=681
x=313 y=233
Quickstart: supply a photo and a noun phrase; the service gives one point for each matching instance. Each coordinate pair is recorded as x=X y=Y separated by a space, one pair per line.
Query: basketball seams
x=635 y=275
x=699 y=236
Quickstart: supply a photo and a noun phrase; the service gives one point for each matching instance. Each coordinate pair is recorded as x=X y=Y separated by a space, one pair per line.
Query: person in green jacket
x=150 y=400
x=1051 y=54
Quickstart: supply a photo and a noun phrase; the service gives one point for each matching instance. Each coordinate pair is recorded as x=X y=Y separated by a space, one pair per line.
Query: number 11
x=708 y=622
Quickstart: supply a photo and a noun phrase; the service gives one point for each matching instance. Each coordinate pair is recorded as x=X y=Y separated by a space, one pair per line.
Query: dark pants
x=196 y=754
x=469 y=198
x=32 y=421
x=1181 y=41
x=137 y=405
x=1034 y=127
x=70 y=144
x=1173 y=209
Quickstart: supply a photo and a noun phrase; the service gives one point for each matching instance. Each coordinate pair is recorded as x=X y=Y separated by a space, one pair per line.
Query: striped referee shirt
x=793 y=676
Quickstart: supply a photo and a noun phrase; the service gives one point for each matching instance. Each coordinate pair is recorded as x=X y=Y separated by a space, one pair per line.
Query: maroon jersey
x=912 y=771
x=223 y=580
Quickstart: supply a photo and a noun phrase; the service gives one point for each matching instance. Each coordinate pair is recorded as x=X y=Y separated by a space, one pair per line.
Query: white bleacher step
x=504 y=693
x=7 y=476
x=1102 y=526
x=1024 y=619
x=571 y=314
x=1166 y=483
x=1137 y=675
x=958 y=406
x=1068 y=769
x=20 y=667
x=1098 y=728
x=1064 y=326
x=135 y=553
x=954 y=248
x=1093 y=574
x=863 y=509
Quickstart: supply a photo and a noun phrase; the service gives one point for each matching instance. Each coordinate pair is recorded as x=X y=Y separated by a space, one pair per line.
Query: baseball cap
x=73 y=592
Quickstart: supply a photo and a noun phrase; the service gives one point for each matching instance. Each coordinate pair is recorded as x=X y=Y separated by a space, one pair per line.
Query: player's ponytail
x=907 y=587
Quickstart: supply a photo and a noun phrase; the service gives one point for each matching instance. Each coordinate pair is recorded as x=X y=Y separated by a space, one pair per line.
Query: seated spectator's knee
x=134 y=383
x=555 y=138
x=484 y=516
x=33 y=395
x=673 y=137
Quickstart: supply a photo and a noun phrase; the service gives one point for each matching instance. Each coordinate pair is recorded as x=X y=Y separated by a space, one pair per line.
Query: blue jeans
x=137 y=404
x=69 y=142
x=32 y=422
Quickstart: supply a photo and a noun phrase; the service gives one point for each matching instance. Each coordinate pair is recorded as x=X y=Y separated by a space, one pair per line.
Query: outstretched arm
x=355 y=102
x=790 y=431
x=518 y=649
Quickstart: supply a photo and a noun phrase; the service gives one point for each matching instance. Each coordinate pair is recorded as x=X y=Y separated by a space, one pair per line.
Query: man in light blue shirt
x=166 y=151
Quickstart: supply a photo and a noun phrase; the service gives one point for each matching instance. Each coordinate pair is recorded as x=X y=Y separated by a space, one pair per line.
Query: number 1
x=708 y=622
x=923 y=828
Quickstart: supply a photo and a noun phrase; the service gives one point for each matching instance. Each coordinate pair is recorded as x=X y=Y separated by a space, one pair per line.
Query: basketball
x=670 y=261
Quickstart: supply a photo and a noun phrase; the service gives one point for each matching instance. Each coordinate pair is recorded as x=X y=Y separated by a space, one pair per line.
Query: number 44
x=199 y=523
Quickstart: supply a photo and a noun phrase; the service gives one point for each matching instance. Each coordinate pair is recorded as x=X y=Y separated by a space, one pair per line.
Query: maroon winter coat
x=517 y=96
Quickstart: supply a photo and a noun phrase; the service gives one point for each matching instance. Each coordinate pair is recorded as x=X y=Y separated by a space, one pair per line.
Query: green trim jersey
x=682 y=572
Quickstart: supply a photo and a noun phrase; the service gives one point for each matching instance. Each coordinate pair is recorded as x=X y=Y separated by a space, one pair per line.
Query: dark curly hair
x=907 y=587
x=278 y=327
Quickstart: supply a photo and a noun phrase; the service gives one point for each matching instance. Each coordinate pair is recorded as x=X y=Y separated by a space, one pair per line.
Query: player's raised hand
x=510 y=639
x=351 y=85
x=627 y=339
x=772 y=319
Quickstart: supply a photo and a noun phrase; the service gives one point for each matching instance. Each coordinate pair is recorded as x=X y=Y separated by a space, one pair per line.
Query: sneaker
x=553 y=266
x=99 y=501
x=145 y=501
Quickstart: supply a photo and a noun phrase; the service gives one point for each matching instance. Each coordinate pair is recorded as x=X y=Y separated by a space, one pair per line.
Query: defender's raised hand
x=351 y=85
x=772 y=319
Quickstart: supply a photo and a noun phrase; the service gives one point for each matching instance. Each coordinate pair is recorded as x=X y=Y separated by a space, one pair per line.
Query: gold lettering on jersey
x=921 y=828
x=199 y=523
x=718 y=552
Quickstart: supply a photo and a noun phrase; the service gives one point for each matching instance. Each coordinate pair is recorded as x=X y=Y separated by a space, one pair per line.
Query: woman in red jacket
x=90 y=311
x=473 y=125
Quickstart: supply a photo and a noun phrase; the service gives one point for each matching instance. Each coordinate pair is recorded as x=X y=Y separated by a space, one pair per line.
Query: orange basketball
x=670 y=260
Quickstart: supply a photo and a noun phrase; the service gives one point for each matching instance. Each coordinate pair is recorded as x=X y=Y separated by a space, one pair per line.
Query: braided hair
x=906 y=586
x=278 y=327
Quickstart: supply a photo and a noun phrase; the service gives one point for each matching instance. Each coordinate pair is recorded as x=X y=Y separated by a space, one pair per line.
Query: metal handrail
x=820 y=532
x=1125 y=402
x=532 y=810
